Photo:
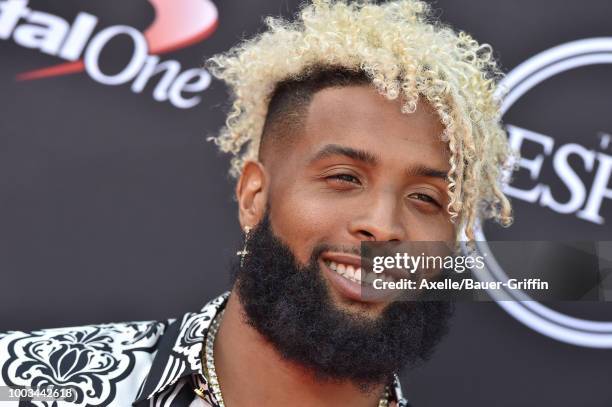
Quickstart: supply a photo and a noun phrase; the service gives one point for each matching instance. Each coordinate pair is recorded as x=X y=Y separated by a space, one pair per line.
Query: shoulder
x=107 y=337
x=92 y=359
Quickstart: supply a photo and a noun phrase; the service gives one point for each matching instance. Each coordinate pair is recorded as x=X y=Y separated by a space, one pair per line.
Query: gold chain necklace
x=211 y=373
x=209 y=356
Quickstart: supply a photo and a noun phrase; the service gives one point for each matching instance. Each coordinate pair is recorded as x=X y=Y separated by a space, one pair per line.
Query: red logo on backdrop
x=177 y=24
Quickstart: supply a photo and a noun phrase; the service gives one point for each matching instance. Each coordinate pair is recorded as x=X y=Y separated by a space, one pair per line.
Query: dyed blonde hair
x=406 y=54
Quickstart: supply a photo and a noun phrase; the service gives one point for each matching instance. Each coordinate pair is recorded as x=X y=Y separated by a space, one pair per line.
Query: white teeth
x=350 y=273
x=356 y=274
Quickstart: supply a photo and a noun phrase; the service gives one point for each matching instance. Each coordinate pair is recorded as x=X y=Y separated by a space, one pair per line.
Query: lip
x=345 y=258
x=349 y=289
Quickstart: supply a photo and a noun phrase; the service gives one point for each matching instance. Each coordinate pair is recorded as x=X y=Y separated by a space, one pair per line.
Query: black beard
x=291 y=307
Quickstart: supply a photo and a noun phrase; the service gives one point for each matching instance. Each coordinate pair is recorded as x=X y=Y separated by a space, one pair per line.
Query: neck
x=251 y=372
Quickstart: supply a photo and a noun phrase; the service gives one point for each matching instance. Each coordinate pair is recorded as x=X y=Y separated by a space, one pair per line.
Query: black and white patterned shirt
x=134 y=363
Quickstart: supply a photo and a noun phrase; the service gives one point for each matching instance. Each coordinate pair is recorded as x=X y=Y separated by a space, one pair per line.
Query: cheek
x=431 y=228
x=303 y=220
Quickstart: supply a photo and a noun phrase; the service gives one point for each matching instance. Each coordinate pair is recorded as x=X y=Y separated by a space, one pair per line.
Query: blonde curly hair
x=406 y=54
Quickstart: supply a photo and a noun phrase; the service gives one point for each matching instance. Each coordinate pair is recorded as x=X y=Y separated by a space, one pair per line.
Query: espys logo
x=177 y=24
x=585 y=202
x=569 y=162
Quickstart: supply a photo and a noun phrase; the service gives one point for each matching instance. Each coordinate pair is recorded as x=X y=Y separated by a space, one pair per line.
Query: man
x=357 y=122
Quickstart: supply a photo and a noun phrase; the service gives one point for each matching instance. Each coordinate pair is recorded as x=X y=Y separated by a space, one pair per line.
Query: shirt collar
x=179 y=350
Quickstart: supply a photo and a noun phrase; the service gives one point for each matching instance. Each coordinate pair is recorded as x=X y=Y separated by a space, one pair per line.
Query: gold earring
x=242 y=253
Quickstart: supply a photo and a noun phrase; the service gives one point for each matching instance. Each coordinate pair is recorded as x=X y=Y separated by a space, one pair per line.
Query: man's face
x=360 y=171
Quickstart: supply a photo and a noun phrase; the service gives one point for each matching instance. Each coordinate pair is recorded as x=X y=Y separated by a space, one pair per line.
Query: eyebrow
x=425 y=171
x=335 y=149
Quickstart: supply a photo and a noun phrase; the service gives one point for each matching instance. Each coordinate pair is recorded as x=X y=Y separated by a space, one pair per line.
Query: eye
x=344 y=178
x=425 y=198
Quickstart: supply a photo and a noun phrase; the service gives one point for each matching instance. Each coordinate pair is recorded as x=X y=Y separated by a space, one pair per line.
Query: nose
x=379 y=221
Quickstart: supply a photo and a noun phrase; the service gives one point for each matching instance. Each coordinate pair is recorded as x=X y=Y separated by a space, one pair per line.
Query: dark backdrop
x=113 y=206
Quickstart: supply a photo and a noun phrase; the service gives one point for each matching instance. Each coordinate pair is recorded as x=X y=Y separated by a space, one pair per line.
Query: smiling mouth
x=356 y=274
x=353 y=282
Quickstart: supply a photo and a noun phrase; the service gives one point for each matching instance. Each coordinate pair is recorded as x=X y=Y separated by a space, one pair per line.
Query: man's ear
x=251 y=193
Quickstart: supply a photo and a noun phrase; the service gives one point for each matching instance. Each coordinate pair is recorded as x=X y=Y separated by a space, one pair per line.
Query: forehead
x=359 y=117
